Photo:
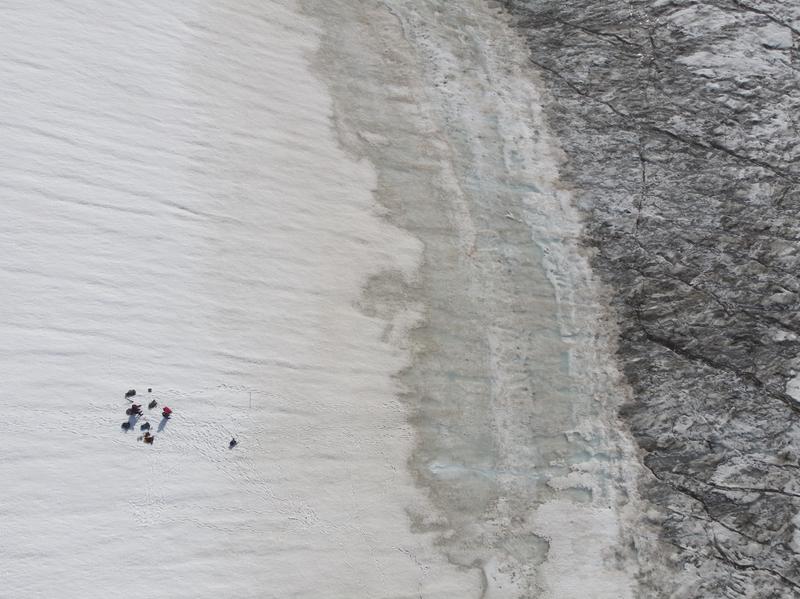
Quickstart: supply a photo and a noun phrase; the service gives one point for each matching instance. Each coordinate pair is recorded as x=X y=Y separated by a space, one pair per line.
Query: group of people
x=135 y=410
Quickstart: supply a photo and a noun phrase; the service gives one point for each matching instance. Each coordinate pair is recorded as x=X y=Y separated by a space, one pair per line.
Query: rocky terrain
x=678 y=120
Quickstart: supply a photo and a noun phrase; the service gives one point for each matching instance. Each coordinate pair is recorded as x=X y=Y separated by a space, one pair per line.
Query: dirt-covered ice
x=511 y=392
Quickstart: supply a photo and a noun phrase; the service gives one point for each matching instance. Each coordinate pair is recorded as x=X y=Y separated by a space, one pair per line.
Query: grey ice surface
x=508 y=390
x=679 y=124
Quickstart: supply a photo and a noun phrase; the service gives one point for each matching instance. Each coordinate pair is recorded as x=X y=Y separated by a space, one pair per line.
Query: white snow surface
x=176 y=214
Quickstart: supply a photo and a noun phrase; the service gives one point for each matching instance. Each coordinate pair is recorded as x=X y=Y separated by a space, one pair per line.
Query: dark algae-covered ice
x=679 y=125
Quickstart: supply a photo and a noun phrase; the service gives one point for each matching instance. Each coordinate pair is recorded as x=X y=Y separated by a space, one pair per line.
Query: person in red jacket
x=166 y=413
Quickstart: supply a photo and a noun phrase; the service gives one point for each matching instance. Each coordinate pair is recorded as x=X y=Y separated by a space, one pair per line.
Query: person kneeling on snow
x=166 y=413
